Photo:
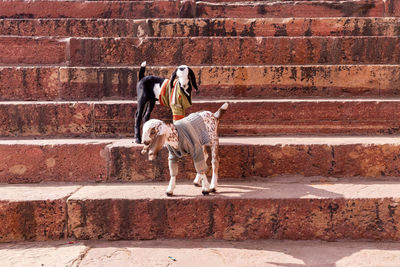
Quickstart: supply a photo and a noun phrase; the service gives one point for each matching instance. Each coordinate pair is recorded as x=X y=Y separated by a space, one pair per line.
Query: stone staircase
x=310 y=145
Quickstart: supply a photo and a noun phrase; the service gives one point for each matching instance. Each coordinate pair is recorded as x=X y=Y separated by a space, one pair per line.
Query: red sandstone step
x=217 y=82
x=255 y=1
x=202 y=27
x=273 y=158
x=244 y=117
x=356 y=8
x=34 y=213
x=239 y=211
x=33 y=50
x=235 y=51
x=60 y=160
x=208 y=51
x=174 y=9
x=89 y=9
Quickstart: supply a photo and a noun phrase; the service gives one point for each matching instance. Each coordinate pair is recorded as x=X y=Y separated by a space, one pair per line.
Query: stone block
x=238 y=212
x=57 y=161
x=33 y=213
x=89 y=9
x=14 y=50
x=283 y=9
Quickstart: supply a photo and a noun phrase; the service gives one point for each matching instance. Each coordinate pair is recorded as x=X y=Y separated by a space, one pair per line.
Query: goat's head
x=154 y=136
x=185 y=76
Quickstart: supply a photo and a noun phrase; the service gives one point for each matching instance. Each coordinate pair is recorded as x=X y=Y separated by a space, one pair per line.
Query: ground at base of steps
x=200 y=253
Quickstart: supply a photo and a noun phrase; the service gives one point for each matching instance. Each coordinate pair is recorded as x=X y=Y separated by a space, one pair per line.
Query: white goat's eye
x=146 y=143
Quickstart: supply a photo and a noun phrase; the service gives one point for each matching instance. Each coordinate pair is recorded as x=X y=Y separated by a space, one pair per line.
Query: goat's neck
x=171 y=136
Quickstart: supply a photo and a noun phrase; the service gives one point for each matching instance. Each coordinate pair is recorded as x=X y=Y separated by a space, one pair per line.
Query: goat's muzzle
x=146 y=147
x=153 y=147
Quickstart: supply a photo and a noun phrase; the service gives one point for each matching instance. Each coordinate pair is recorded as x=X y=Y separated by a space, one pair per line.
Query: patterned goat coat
x=175 y=98
x=192 y=135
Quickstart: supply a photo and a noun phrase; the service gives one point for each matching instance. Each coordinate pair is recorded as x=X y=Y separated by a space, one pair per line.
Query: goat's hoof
x=169 y=194
x=205 y=193
x=213 y=190
x=196 y=185
x=138 y=141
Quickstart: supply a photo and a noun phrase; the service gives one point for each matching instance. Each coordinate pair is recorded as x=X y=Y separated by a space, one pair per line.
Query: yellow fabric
x=174 y=98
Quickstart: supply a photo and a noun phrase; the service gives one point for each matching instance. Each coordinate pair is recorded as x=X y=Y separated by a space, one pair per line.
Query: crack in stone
x=77 y=262
x=66 y=228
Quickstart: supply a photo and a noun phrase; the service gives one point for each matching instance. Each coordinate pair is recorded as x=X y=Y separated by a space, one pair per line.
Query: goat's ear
x=171 y=81
x=161 y=129
x=192 y=79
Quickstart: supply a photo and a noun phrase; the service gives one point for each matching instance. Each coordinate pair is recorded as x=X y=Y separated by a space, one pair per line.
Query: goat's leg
x=173 y=172
x=205 y=185
x=149 y=109
x=215 y=165
x=171 y=186
x=138 y=120
x=197 y=179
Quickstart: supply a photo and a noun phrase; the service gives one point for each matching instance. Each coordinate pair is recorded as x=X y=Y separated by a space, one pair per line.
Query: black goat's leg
x=149 y=109
x=138 y=120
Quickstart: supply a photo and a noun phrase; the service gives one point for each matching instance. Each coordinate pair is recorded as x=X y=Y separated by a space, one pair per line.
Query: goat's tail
x=142 y=70
x=221 y=110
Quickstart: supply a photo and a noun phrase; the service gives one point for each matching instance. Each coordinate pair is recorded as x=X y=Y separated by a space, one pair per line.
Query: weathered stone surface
x=33 y=212
x=238 y=212
x=268 y=157
x=297 y=81
x=241 y=253
x=53 y=160
x=63 y=27
x=244 y=117
x=89 y=9
x=253 y=27
x=336 y=117
x=392 y=8
x=220 y=253
x=218 y=82
x=372 y=161
x=98 y=83
x=209 y=51
x=50 y=253
x=176 y=9
x=114 y=119
x=127 y=164
x=121 y=161
x=15 y=50
x=269 y=117
x=358 y=8
x=171 y=27
x=243 y=81
x=66 y=119
x=234 y=51
x=24 y=83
